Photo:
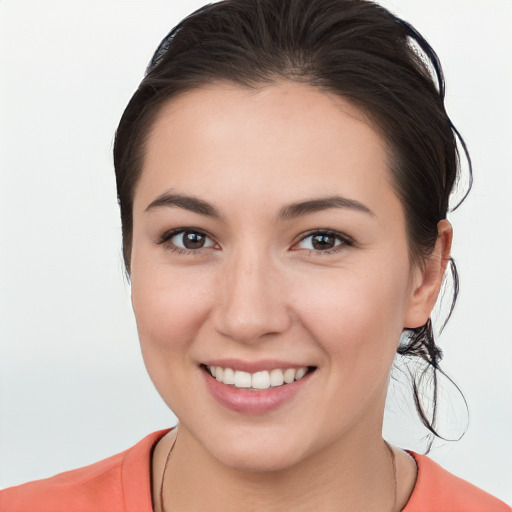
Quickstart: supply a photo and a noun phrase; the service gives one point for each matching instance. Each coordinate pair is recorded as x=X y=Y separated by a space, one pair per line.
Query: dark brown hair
x=352 y=48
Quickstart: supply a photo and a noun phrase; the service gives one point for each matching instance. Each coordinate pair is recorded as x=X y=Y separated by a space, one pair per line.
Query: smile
x=259 y=380
x=256 y=387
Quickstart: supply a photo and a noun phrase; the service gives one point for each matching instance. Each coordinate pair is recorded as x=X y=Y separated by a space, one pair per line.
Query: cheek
x=355 y=312
x=169 y=307
x=356 y=319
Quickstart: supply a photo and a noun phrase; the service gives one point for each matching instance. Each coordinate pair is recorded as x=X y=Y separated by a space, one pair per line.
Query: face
x=269 y=242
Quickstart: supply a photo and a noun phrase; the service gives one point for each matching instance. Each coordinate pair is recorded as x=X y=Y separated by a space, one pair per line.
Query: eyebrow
x=291 y=211
x=190 y=203
x=316 y=205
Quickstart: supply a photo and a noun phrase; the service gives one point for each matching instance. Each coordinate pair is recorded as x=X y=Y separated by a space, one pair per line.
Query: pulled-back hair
x=353 y=48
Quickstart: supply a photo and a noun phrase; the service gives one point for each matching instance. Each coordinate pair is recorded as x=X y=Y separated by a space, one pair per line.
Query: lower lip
x=253 y=402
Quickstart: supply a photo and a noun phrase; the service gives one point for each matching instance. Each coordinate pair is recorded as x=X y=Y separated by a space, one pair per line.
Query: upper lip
x=254 y=366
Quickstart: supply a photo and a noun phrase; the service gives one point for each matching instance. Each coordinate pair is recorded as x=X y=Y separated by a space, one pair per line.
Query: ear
x=427 y=280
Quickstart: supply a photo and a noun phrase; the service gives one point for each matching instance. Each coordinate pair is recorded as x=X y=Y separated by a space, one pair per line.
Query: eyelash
x=168 y=235
x=345 y=241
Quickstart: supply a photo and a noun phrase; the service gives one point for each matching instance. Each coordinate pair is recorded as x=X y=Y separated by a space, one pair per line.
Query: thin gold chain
x=395 y=482
x=162 y=506
x=390 y=450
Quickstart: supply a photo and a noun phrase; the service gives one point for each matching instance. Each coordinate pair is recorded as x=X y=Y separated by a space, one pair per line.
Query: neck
x=363 y=468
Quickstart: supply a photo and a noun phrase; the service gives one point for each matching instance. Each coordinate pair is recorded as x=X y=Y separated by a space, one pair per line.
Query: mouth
x=257 y=381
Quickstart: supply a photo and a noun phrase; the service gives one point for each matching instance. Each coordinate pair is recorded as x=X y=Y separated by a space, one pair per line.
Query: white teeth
x=243 y=379
x=276 y=377
x=257 y=380
x=300 y=373
x=229 y=376
x=289 y=375
x=261 y=380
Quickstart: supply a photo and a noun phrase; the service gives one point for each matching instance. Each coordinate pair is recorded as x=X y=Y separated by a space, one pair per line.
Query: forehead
x=280 y=141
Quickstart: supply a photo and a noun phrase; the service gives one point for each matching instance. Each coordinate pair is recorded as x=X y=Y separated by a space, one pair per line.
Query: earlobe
x=429 y=278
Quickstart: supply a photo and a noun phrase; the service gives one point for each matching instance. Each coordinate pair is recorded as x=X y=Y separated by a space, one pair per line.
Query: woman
x=283 y=172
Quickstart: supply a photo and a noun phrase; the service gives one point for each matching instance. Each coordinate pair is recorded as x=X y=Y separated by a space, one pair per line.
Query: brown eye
x=322 y=242
x=193 y=240
x=189 y=240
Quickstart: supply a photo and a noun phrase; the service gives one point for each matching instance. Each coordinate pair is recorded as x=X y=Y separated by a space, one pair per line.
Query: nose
x=252 y=302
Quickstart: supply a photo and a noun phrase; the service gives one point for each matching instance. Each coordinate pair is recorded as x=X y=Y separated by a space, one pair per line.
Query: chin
x=256 y=452
x=257 y=461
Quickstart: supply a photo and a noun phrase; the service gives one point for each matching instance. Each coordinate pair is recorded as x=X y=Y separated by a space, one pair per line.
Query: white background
x=73 y=388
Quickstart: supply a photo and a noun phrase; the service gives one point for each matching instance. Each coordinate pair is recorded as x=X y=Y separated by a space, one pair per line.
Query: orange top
x=122 y=483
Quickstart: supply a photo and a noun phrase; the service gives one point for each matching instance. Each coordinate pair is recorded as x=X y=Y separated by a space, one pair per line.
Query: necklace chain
x=395 y=481
x=162 y=507
x=390 y=450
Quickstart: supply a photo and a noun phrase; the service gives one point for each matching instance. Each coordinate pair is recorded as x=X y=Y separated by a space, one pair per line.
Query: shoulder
x=440 y=491
x=119 y=483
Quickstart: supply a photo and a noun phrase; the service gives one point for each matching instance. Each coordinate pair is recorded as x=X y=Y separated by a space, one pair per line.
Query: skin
x=258 y=289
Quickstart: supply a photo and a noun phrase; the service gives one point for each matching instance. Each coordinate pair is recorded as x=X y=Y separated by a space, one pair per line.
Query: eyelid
x=344 y=239
x=166 y=236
